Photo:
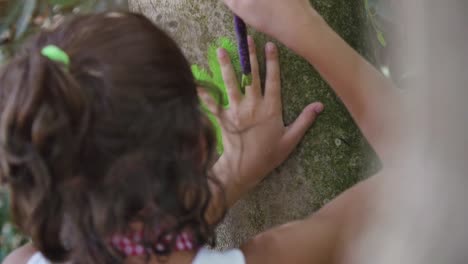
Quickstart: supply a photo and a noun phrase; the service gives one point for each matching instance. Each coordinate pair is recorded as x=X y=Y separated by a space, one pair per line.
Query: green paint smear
x=212 y=81
x=246 y=81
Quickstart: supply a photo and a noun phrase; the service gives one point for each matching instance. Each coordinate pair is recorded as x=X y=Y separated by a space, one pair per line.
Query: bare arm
x=21 y=255
x=371 y=98
x=319 y=238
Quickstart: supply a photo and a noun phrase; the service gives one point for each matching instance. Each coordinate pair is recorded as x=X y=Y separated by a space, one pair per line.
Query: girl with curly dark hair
x=108 y=155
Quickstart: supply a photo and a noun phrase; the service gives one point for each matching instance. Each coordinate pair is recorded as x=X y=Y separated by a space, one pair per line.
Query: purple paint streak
x=243 y=45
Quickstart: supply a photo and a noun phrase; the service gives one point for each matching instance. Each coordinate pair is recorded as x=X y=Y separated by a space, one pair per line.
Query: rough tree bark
x=333 y=155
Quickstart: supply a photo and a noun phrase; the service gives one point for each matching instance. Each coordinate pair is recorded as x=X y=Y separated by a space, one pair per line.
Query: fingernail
x=251 y=44
x=221 y=53
x=319 y=108
x=270 y=47
x=250 y=40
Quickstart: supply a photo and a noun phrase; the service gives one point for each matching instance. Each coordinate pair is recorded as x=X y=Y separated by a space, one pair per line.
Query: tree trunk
x=333 y=155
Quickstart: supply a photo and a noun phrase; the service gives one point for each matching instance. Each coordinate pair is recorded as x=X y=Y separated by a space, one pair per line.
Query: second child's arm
x=368 y=95
x=371 y=98
x=324 y=237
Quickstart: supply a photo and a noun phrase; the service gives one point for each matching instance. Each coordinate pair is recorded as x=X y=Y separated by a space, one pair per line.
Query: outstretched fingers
x=273 y=78
x=230 y=78
x=296 y=131
x=254 y=90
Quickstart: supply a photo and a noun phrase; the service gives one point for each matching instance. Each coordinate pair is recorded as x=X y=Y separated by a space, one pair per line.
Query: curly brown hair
x=117 y=137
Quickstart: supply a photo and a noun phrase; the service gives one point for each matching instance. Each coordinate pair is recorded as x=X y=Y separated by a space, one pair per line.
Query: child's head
x=116 y=137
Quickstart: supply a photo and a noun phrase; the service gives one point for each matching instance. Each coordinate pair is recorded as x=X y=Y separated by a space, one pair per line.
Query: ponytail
x=42 y=125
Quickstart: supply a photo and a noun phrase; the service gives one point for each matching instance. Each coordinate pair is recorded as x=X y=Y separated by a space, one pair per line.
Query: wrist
x=309 y=30
x=230 y=179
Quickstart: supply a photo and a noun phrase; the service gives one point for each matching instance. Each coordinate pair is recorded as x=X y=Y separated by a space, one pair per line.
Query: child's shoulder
x=21 y=255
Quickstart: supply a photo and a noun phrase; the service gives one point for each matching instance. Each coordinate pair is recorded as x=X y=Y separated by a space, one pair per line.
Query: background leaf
x=64 y=3
x=381 y=38
x=20 y=18
x=29 y=6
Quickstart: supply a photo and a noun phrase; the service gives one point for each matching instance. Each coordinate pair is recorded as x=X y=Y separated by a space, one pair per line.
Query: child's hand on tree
x=254 y=136
x=285 y=20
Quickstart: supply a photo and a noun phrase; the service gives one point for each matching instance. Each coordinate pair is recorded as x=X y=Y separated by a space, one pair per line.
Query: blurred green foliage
x=9 y=237
x=372 y=15
x=18 y=20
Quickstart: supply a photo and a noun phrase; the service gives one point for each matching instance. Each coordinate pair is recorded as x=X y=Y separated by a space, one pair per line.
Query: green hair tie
x=56 y=54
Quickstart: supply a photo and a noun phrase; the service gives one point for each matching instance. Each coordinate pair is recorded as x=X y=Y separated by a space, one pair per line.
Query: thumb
x=296 y=131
